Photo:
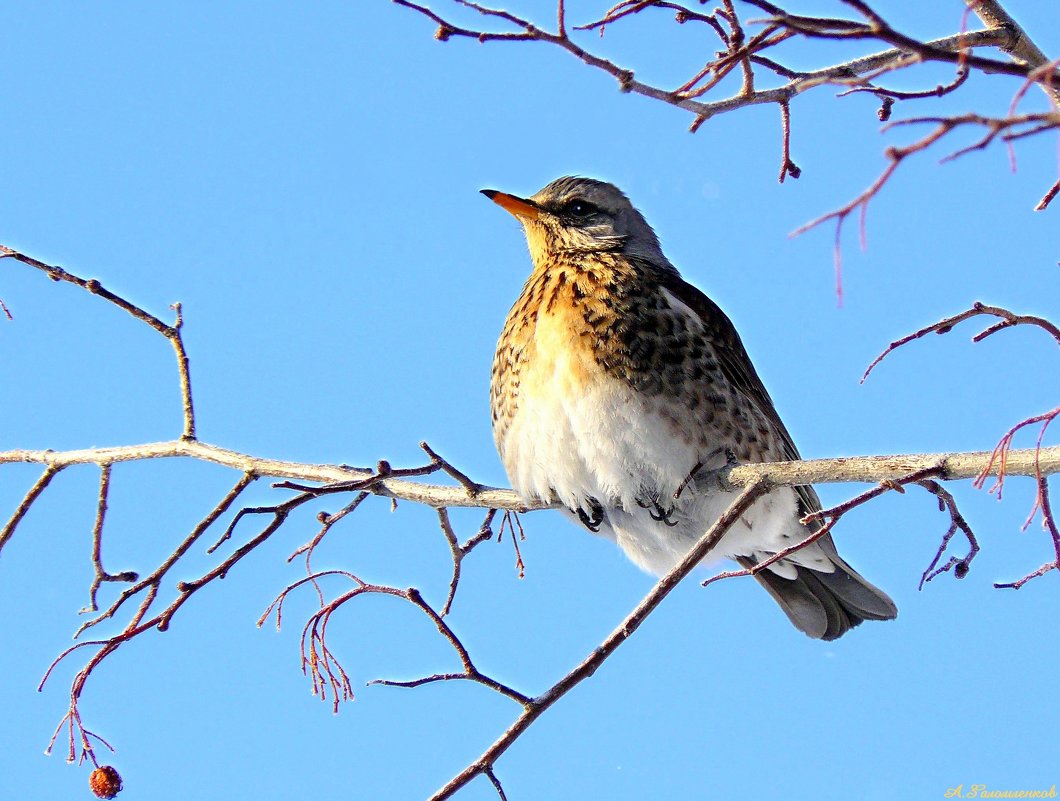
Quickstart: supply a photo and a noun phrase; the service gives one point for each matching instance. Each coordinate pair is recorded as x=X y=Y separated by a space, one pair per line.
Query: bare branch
x=1050 y=524
x=539 y=705
x=459 y=551
x=495 y=782
x=879 y=29
x=471 y=673
x=1015 y=585
x=1048 y=197
x=952 y=49
x=809 y=471
x=891 y=94
x=994 y=126
x=739 y=50
x=327 y=522
x=944 y=326
x=831 y=517
x=1021 y=47
x=154 y=581
x=960 y=566
x=787 y=166
x=320 y=663
x=102 y=575
x=472 y=487
x=170 y=332
x=27 y=502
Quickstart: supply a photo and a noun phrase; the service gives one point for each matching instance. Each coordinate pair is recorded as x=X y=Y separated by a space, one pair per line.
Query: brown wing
x=823 y=605
x=737 y=367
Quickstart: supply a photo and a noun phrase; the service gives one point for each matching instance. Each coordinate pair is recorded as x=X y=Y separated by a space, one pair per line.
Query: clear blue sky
x=306 y=182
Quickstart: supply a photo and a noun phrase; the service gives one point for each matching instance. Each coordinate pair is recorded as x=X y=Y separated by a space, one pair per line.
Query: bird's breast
x=564 y=361
x=570 y=422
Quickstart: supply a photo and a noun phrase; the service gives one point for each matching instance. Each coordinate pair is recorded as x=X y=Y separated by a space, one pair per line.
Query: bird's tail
x=825 y=605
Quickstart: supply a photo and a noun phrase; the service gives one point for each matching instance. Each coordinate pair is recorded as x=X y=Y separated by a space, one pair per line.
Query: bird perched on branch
x=617 y=385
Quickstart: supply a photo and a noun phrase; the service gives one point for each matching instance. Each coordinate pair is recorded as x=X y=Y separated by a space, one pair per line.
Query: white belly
x=608 y=443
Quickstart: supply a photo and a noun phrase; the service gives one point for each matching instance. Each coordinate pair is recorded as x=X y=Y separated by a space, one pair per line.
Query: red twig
x=511 y=521
x=327 y=522
x=325 y=671
x=1002 y=448
x=1050 y=524
x=787 y=166
x=895 y=156
x=960 y=567
x=830 y=517
x=1008 y=320
x=1048 y=197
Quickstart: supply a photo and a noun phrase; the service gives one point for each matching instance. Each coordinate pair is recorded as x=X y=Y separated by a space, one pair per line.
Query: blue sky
x=305 y=181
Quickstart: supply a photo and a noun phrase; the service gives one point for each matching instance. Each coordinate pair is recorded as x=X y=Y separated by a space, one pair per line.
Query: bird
x=617 y=387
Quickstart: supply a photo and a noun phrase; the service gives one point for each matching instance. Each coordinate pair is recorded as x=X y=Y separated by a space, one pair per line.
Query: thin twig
x=893 y=94
x=960 y=567
x=830 y=517
x=896 y=155
x=472 y=487
x=945 y=50
x=154 y=580
x=325 y=670
x=170 y=332
x=102 y=575
x=1050 y=524
x=1048 y=197
x=539 y=705
x=1008 y=320
x=787 y=166
x=34 y=493
x=997 y=465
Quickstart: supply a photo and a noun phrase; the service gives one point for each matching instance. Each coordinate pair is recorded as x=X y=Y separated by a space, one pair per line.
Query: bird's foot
x=657 y=512
x=592 y=519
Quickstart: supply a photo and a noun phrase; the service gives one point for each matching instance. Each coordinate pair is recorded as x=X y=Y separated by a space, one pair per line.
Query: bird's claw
x=593 y=519
x=657 y=513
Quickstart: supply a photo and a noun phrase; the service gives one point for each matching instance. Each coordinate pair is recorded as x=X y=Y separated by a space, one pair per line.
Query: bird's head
x=581 y=215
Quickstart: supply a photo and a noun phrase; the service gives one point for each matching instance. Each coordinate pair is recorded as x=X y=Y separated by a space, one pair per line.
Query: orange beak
x=521 y=207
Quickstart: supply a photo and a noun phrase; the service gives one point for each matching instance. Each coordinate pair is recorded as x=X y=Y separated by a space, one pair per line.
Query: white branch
x=867 y=469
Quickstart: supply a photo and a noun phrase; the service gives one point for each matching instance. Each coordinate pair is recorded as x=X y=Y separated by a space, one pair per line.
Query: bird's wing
x=737 y=367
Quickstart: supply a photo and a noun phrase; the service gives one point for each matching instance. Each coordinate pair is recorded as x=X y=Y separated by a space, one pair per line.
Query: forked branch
x=535 y=707
x=311 y=482
x=746 y=47
x=170 y=332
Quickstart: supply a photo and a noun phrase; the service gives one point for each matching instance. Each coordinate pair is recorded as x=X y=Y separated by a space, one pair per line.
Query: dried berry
x=105 y=782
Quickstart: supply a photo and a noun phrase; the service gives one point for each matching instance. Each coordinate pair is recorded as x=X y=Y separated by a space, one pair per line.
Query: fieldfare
x=616 y=383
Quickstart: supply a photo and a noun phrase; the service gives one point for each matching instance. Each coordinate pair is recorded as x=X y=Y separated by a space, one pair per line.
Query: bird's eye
x=579 y=208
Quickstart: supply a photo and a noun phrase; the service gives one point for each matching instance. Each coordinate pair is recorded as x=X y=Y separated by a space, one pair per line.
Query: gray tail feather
x=825 y=605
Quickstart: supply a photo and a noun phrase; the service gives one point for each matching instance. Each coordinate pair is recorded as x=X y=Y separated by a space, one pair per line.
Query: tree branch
x=1020 y=46
x=1027 y=462
x=170 y=332
x=20 y=512
x=101 y=575
x=904 y=52
x=537 y=706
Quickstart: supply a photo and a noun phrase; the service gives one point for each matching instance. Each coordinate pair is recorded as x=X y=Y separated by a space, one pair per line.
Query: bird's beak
x=521 y=207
